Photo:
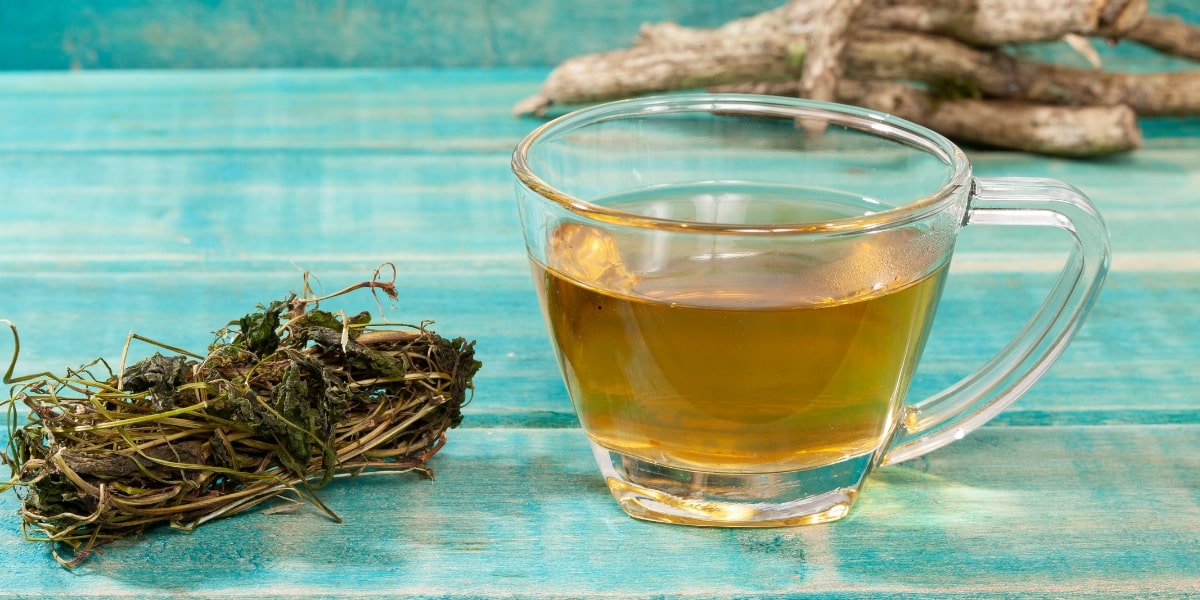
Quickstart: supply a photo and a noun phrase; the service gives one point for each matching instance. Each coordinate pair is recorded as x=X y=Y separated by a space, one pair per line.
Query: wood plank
x=101 y=239
x=131 y=34
x=179 y=110
x=410 y=111
x=201 y=141
x=1040 y=512
x=189 y=211
x=1133 y=361
x=211 y=194
x=1134 y=352
x=139 y=34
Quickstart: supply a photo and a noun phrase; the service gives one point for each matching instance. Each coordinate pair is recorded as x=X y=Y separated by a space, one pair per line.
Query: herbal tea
x=733 y=358
x=738 y=300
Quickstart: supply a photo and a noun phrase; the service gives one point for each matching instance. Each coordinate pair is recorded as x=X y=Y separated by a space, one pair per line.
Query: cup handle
x=952 y=413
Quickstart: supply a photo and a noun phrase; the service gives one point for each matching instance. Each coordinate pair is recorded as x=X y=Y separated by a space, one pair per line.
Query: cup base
x=655 y=492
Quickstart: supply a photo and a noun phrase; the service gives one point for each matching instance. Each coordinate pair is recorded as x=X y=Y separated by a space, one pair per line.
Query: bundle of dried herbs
x=287 y=398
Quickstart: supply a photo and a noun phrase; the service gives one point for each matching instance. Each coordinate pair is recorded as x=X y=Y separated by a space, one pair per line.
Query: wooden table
x=169 y=203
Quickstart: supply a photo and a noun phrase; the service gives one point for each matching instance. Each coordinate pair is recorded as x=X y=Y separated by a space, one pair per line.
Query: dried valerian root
x=286 y=399
x=947 y=64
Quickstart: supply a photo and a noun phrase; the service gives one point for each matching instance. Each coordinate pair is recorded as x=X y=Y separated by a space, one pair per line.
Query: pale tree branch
x=942 y=61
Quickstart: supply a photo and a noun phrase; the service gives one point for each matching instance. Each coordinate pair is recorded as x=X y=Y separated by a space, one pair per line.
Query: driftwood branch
x=1168 y=34
x=1039 y=128
x=645 y=69
x=1011 y=124
x=901 y=55
x=1025 y=126
x=876 y=54
x=667 y=56
x=823 y=63
x=997 y=22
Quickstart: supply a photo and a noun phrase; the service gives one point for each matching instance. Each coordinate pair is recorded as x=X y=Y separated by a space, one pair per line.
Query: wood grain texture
x=1033 y=511
x=174 y=34
x=207 y=192
x=140 y=34
x=171 y=202
x=1139 y=343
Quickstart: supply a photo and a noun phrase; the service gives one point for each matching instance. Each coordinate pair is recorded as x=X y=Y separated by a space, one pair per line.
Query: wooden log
x=1168 y=34
x=997 y=22
x=817 y=26
x=706 y=58
x=1009 y=124
x=1075 y=131
x=711 y=59
x=806 y=37
x=823 y=62
x=981 y=22
x=877 y=54
x=815 y=31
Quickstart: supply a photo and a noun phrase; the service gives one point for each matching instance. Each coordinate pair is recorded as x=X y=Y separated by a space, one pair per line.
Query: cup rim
x=877 y=123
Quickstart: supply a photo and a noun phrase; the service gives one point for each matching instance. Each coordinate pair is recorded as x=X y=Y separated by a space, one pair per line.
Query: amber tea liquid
x=723 y=357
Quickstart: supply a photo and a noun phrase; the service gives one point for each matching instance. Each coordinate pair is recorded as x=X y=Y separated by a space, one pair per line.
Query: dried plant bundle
x=287 y=398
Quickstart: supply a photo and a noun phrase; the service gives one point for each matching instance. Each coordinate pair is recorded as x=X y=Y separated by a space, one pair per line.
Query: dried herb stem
x=287 y=399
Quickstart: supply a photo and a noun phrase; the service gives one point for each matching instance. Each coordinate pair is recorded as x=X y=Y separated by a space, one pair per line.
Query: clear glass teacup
x=739 y=288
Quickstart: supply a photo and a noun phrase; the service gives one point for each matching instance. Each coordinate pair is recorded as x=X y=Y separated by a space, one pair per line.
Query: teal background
x=153 y=34
x=185 y=34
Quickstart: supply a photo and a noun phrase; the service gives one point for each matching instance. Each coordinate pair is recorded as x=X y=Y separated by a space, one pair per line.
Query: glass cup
x=738 y=289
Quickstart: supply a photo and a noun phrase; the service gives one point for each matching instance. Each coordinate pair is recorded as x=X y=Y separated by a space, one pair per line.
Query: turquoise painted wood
x=168 y=203
x=156 y=34
x=140 y=34
x=1086 y=485
x=212 y=190
x=1029 y=511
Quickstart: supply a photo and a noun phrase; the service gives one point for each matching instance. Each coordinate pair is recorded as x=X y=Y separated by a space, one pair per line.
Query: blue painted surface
x=141 y=34
x=171 y=202
x=212 y=190
x=183 y=34
x=1028 y=511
